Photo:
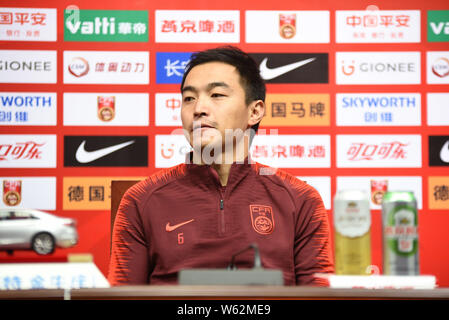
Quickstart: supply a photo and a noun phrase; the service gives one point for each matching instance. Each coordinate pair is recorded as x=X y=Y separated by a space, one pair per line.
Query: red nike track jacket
x=182 y=218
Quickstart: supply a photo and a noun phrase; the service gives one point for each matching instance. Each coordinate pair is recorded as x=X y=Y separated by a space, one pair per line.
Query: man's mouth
x=202 y=126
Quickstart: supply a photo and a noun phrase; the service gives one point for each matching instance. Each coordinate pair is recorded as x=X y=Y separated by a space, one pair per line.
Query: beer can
x=400 y=233
x=352 y=223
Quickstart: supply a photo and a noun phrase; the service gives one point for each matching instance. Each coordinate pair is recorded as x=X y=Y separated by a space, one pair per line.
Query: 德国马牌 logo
x=105 y=151
x=293 y=67
x=439 y=151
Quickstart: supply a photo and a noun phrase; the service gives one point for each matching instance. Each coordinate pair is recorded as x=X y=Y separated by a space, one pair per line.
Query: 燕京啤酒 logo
x=205 y=26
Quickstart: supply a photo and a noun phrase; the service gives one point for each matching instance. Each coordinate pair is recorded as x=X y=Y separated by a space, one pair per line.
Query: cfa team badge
x=12 y=192
x=378 y=189
x=287 y=25
x=262 y=219
x=106 y=108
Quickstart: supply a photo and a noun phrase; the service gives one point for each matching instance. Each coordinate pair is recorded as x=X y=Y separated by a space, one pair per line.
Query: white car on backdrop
x=25 y=229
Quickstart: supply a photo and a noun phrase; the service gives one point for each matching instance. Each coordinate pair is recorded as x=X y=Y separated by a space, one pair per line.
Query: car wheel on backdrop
x=43 y=243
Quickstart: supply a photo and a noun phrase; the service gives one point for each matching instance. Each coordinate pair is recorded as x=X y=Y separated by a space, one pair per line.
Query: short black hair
x=249 y=72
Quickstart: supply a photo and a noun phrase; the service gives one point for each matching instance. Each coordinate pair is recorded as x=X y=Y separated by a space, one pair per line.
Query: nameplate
x=69 y=275
x=381 y=282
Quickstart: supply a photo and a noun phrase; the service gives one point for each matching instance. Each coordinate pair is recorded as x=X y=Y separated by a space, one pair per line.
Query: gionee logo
x=349 y=70
x=171 y=151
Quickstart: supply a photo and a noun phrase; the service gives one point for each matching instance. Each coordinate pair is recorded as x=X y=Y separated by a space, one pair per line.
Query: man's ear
x=256 y=112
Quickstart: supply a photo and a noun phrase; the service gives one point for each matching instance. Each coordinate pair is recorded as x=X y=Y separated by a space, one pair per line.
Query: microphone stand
x=231 y=275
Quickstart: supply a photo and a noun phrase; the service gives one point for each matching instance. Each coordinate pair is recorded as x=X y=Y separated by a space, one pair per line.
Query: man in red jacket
x=200 y=213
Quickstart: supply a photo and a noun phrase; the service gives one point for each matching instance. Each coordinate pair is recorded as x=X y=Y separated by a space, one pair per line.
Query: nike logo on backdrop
x=271 y=73
x=444 y=153
x=170 y=228
x=84 y=156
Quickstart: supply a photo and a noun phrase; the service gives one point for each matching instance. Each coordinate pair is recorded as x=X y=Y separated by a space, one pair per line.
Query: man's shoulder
x=157 y=180
x=283 y=179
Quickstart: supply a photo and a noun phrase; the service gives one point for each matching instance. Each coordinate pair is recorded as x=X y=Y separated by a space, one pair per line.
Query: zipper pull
x=221 y=204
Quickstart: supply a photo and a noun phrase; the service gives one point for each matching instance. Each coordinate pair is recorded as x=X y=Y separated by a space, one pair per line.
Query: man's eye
x=217 y=95
x=187 y=99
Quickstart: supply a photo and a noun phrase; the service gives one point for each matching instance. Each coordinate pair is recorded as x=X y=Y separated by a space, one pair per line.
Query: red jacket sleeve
x=129 y=249
x=313 y=251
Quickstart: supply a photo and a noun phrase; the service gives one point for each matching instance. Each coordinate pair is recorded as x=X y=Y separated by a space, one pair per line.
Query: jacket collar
x=206 y=175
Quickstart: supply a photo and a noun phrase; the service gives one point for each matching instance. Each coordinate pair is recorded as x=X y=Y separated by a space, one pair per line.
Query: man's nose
x=201 y=108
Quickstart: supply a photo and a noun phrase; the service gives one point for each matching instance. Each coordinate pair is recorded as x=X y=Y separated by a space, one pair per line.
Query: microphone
x=257 y=260
x=231 y=276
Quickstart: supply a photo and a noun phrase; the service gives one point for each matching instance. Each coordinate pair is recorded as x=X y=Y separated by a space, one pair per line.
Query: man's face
x=213 y=100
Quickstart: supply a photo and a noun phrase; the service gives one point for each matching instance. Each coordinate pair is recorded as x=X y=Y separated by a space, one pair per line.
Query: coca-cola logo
x=21 y=150
x=359 y=151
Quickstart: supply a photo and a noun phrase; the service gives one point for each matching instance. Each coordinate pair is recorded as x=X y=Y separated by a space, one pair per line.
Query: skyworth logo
x=28 y=108
x=378 y=109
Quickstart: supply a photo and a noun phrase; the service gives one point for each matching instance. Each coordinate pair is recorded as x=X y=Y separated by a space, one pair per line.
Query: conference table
x=201 y=292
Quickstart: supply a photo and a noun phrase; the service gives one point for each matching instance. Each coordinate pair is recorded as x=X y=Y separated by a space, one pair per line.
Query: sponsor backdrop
x=358 y=93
